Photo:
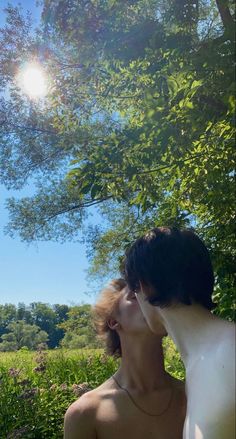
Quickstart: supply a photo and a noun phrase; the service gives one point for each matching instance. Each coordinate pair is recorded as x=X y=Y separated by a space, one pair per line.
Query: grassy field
x=36 y=388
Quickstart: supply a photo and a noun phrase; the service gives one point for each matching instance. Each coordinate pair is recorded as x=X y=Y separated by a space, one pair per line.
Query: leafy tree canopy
x=79 y=328
x=37 y=314
x=58 y=325
x=21 y=334
x=139 y=121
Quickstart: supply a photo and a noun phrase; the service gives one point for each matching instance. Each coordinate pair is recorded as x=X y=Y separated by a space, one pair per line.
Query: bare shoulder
x=85 y=404
x=80 y=417
x=79 y=422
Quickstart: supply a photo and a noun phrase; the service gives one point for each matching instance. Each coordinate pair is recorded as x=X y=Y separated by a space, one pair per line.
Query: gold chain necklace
x=140 y=408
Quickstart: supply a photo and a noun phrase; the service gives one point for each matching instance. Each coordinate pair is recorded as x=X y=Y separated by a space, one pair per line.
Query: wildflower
x=29 y=393
x=80 y=389
x=40 y=368
x=13 y=372
x=41 y=358
x=17 y=433
x=53 y=387
x=24 y=382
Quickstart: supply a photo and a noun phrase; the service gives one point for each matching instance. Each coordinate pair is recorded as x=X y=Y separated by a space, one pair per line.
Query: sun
x=32 y=81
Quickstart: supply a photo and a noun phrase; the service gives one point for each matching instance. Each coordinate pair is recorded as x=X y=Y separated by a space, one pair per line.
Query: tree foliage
x=79 y=328
x=21 y=334
x=38 y=315
x=139 y=121
x=57 y=325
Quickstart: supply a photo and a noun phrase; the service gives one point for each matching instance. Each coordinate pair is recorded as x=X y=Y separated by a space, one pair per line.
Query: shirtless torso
x=107 y=412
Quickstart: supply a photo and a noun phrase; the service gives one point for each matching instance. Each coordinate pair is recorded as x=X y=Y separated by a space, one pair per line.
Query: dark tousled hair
x=175 y=264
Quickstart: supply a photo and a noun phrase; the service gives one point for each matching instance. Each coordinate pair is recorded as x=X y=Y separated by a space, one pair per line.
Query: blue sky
x=47 y=271
x=44 y=271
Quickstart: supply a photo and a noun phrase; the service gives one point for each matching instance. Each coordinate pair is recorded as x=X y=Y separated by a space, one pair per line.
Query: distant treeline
x=41 y=324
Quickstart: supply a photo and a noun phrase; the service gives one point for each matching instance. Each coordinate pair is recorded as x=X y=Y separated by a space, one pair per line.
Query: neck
x=191 y=329
x=142 y=363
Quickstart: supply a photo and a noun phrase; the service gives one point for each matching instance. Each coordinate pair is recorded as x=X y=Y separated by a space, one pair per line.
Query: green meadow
x=37 y=387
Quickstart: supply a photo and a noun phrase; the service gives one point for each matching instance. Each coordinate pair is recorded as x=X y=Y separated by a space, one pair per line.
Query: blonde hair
x=103 y=311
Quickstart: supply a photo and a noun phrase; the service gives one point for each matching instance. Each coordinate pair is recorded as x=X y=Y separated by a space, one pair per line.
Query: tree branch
x=150 y=171
x=227 y=19
x=77 y=206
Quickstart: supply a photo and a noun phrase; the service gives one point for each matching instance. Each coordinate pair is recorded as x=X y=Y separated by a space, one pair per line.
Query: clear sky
x=46 y=271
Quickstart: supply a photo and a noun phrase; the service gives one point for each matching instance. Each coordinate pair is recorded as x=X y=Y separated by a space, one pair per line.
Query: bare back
x=210 y=389
x=111 y=414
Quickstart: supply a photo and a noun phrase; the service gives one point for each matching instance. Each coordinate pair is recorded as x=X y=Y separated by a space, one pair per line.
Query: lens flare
x=32 y=81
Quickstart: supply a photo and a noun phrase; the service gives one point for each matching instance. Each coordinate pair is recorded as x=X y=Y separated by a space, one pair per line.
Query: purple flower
x=63 y=386
x=41 y=357
x=80 y=389
x=29 y=393
x=40 y=368
x=24 y=383
x=13 y=372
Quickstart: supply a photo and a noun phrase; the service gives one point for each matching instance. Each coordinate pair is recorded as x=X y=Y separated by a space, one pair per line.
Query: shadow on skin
x=118 y=418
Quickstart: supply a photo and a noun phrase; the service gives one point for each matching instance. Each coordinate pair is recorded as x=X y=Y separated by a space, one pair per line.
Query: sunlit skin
x=207 y=346
x=107 y=412
x=32 y=81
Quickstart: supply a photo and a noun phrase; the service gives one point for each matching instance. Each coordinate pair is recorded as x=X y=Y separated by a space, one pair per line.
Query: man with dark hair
x=171 y=273
x=141 y=400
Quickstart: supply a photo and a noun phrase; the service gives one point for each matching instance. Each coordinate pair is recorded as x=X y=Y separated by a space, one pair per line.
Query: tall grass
x=36 y=388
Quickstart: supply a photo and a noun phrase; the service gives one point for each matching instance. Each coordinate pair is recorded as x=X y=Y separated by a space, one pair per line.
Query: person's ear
x=113 y=324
